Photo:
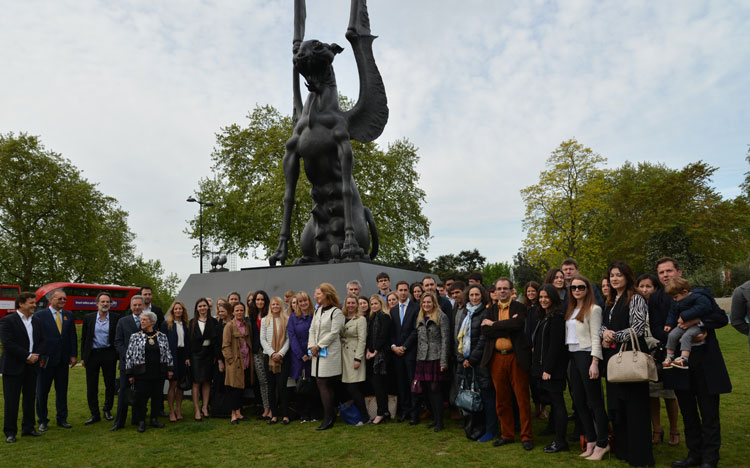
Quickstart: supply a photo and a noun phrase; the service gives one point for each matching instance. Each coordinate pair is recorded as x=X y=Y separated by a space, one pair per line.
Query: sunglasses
x=580 y=287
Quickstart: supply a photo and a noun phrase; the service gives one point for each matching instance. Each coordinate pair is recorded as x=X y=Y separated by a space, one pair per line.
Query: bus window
x=9 y=292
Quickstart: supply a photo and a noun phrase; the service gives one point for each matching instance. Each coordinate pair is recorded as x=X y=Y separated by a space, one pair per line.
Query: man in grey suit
x=126 y=326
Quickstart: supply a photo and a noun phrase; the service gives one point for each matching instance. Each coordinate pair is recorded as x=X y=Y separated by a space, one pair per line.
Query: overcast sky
x=133 y=93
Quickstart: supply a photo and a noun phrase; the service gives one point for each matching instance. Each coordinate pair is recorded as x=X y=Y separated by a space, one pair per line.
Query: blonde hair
x=435 y=316
x=170 y=315
x=330 y=294
x=382 y=304
x=298 y=311
x=281 y=304
x=357 y=313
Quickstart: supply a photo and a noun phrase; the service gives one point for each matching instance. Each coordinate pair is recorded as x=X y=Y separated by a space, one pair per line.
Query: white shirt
x=29 y=331
x=180 y=335
x=571 y=338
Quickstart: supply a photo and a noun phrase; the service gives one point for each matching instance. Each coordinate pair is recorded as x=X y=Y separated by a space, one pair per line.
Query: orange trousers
x=509 y=379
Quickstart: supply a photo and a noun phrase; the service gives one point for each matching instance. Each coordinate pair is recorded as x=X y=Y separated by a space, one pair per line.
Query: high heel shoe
x=657 y=437
x=589 y=450
x=674 y=438
x=327 y=424
x=598 y=453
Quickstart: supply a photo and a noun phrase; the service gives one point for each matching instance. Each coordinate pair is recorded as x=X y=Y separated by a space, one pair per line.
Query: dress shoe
x=107 y=415
x=438 y=428
x=43 y=427
x=235 y=422
x=431 y=425
x=502 y=441
x=116 y=427
x=707 y=465
x=64 y=424
x=598 y=453
x=554 y=447
x=155 y=423
x=163 y=414
x=686 y=462
x=272 y=422
x=527 y=444
x=142 y=426
x=326 y=425
x=285 y=422
x=92 y=420
x=414 y=422
x=32 y=434
x=401 y=418
x=10 y=439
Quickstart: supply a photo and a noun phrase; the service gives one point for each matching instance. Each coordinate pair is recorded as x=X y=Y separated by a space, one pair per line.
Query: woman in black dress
x=204 y=349
x=627 y=403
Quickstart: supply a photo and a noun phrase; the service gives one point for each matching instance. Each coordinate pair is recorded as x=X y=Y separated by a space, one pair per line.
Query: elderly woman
x=175 y=327
x=275 y=345
x=324 y=345
x=147 y=363
x=237 y=349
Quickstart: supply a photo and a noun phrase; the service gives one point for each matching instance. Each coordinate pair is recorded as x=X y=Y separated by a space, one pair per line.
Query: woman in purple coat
x=298 y=330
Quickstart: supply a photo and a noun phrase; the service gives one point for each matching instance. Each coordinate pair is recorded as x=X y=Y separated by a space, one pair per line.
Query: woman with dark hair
x=583 y=320
x=257 y=309
x=324 y=345
x=204 y=349
x=175 y=327
x=433 y=347
x=556 y=278
x=469 y=350
x=549 y=361
x=298 y=331
x=378 y=341
x=531 y=301
x=647 y=285
x=605 y=287
x=237 y=352
x=219 y=401
x=416 y=291
x=627 y=403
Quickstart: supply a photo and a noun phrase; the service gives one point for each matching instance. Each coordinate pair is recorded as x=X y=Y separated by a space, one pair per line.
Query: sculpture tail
x=373 y=233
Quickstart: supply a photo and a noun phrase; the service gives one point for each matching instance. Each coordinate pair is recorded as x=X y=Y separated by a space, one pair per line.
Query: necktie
x=402 y=313
x=58 y=319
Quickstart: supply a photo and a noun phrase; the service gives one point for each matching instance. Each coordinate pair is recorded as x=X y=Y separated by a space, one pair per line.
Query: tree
x=492 y=271
x=459 y=266
x=565 y=208
x=142 y=272
x=57 y=226
x=247 y=188
x=525 y=270
x=745 y=186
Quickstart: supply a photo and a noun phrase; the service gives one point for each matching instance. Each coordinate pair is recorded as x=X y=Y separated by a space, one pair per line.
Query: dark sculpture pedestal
x=277 y=280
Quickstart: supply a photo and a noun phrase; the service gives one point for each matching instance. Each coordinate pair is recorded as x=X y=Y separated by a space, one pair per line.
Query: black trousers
x=104 y=360
x=588 y=398
x=278 y=395
x=554 y=390
x=59 y=375
x=13 y=387
x=700 y=412
x=146 y=389
x=380 y=388
x=355 y=392
x=628 y=407
x=405 y=366
x=122 y=405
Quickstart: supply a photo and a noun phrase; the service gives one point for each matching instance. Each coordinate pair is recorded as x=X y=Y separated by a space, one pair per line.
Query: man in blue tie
x=404 y=347
x=60 y=348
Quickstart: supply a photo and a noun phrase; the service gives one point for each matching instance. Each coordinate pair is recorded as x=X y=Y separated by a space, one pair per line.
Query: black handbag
x=469 y=398
x=130 y=395
x=305 y=385
x=186 y=381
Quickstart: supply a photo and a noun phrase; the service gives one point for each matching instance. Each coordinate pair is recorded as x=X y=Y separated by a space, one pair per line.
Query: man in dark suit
x=404 y=347
x=126 y=326
x=98 y=352
x=61 y=346
x=21 y=335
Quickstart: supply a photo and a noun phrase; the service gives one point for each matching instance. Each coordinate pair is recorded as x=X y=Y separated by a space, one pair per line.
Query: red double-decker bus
x=81 y=298
x=8 y=295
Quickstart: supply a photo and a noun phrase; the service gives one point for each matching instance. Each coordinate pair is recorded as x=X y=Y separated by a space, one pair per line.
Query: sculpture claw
x=279 y=255
x=351 y=249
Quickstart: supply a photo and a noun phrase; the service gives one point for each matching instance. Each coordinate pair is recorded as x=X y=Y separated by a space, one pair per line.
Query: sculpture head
x=313 y=59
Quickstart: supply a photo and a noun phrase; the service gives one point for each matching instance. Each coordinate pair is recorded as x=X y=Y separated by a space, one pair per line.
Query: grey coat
x=433 y=340
x=741 y=308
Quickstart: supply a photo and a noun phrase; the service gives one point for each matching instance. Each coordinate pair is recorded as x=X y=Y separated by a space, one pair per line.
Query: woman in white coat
x=324 y=345
x=353 y=343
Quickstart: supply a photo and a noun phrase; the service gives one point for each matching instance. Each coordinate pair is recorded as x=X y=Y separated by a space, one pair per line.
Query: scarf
x=464 y=334
x=244 y=349
x=277 y=342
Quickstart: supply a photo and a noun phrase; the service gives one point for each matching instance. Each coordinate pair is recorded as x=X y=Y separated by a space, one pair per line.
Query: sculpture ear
x=335 y=48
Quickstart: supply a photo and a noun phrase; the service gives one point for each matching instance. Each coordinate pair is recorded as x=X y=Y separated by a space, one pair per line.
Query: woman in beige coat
x=324 y=345
x=353 y=343
x=237 y=349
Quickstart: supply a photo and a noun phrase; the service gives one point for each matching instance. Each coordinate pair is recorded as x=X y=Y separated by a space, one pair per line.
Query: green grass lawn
x=217 y=443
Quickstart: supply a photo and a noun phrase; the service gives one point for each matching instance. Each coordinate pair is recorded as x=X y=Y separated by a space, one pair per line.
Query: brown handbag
x=631 y=366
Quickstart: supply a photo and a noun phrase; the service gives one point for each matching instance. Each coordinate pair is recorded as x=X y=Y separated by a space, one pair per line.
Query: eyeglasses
x=579 y=287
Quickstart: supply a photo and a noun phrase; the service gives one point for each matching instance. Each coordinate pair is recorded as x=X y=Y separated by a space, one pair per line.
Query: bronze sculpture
x=340 y=226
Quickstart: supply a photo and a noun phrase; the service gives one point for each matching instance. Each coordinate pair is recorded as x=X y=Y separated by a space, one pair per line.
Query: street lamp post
x=201 y=203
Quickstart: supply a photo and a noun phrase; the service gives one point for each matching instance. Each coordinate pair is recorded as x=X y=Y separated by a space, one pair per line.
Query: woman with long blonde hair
x=353 y=342
x=433 y=346
x=175 y=326
x=275 y=343
x=298 y=331
x=378 y=343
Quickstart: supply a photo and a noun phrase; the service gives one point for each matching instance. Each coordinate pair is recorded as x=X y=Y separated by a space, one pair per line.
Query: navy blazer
x=60 y=347
x=87 y=332
x=126 y=326
x=16 y=343
x=172 y=338
x=405 y=335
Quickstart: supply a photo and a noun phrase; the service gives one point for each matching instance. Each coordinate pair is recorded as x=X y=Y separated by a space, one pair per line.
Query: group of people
x=426 y=342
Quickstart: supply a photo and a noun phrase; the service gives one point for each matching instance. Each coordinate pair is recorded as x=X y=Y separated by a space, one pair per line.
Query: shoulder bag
x=469 y=398
x=631 y=366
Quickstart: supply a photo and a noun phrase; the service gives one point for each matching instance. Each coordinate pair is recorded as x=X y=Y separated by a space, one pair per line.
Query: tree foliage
x=247 y=188
x=458 y=266
x=525 y=269
x=54 y=224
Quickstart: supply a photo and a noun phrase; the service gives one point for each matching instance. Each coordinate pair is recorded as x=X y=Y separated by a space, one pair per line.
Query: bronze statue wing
x=368 y=117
